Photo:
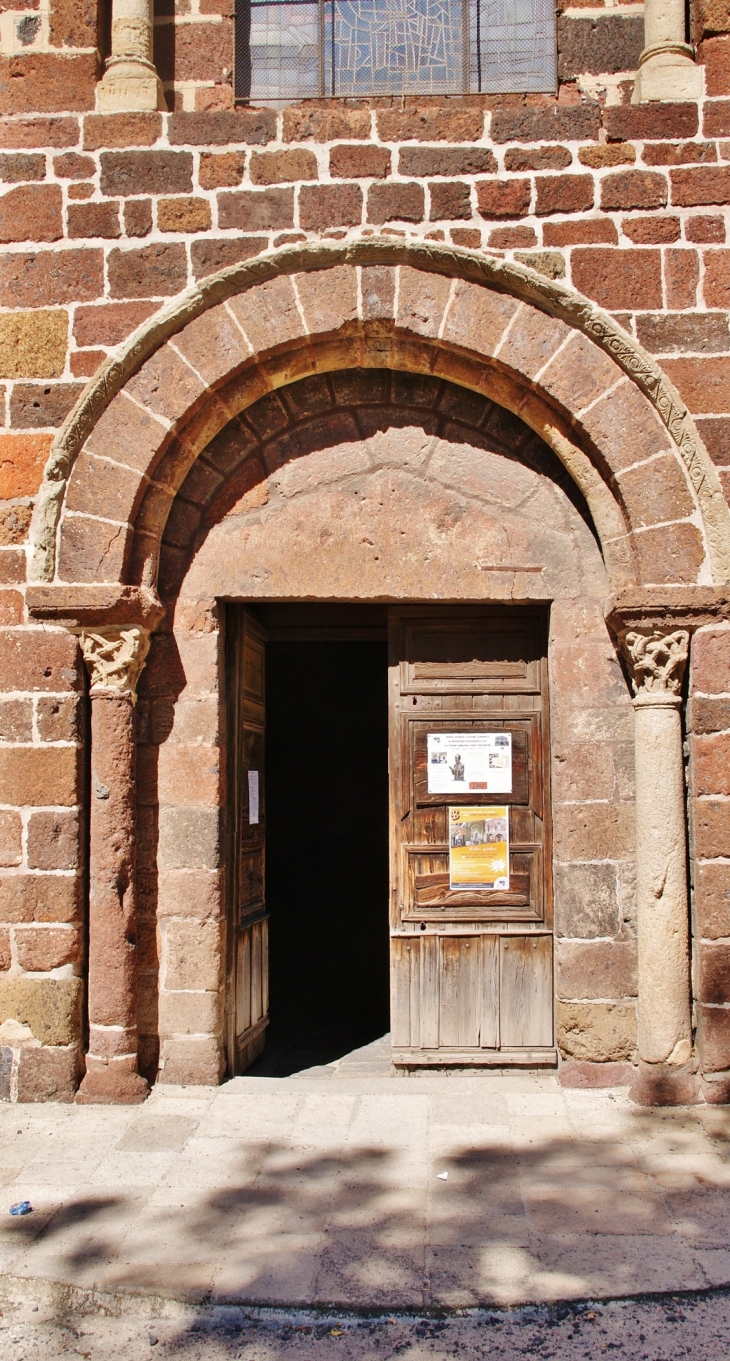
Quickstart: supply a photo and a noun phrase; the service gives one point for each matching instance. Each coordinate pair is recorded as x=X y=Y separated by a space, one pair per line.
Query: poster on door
x=469 y=762
x=479 y=848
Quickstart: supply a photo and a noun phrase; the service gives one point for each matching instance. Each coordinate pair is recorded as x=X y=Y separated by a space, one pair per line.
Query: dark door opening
x=326 y=848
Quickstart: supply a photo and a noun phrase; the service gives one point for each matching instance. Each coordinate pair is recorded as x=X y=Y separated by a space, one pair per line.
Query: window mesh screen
x=297 y=49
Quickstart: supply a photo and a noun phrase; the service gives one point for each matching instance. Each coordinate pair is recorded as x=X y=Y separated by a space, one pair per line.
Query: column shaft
x=665 y=1031
x=111 y=1063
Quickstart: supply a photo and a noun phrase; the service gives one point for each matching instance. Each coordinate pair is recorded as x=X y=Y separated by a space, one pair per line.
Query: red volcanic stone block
x=634 y=189
x=679 y=153
x=714 y=53
x=564 y=194
x=712 y=899
x=121 y=130
x=252 y=127
x=449 y=121
x=650 y=122
x=32 y=212
x=450 y=200
x=94 y=219
x=512 y=238
x=211 y=254
x=15 y=169
x=588 y=231
x=557 y=123
x=262 y=211
x=519 y=158
x=324 y=121
x=109 y=323
x=72 y=166
x=39 y=132
x=651 y=231
x=41 y=82
x=330 y=205
x=705 y=230
x=40 y=775
x=703 y=383
x=359 y=161
x=283 y=167
x=681 y=277
x=395 y=203
x=716 y=283
x=716 y=120
x=449 y=162
x=618 y=279
x=711 y=766
x=146 y=172
x=220 y=170
x=710 y=674
x=154 y=271
x=22 y=460
x=503 y=198
x=704 y=185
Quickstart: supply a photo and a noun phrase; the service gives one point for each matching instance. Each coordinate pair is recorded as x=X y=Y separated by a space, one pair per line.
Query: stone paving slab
x=325 y=1189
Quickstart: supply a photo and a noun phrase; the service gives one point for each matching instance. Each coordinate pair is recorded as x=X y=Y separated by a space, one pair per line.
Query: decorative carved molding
x=115 y=657
x=504 y=276
x=656 y=660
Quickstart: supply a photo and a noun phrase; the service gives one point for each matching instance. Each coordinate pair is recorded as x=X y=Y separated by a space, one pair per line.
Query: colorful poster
x=469 y=762
x=479 y=848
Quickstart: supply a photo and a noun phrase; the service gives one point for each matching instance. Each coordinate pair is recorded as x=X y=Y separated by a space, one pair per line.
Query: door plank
x=526 y=1001
x=489 y=1036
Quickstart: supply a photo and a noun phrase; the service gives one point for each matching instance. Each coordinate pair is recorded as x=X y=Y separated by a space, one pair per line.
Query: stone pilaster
x=114 y=658
x=130 y=82
x=657 y=659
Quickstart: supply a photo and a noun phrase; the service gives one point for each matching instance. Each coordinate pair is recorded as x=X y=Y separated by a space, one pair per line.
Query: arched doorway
x=137 y=517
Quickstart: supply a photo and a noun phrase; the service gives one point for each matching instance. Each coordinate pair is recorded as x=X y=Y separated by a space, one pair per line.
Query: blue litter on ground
x=23 y=1207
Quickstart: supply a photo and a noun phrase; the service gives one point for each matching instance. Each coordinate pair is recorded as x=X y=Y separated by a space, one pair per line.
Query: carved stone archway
x=532 y=346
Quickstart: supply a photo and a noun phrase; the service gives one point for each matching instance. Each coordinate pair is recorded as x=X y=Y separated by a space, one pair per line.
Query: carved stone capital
x=115 y=657
x=656 y=661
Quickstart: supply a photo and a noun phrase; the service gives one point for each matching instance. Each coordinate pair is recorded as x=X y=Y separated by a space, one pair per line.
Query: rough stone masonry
x=125 y=196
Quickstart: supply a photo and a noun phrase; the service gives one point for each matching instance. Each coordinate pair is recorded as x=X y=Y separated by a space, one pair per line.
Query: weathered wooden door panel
x=471 y=968
x=526 y=991
x=248 y=952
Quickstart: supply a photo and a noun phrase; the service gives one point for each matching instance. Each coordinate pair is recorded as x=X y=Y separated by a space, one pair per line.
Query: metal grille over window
x=299 y=49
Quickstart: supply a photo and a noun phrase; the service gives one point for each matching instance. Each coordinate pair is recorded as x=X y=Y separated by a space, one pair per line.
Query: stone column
x=667 y=67
x=666 y=1071
x=130 y=83
x=114 y=658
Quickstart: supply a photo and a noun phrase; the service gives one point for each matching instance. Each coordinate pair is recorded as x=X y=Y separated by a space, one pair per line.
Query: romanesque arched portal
x=123 y=514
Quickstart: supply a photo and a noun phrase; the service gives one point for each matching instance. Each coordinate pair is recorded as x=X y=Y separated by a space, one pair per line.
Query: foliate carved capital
x=115 y=657
x=656 y=660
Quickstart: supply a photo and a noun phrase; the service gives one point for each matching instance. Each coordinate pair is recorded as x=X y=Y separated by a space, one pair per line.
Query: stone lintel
x=95 y=606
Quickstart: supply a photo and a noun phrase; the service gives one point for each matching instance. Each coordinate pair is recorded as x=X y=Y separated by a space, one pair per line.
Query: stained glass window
x=295 y=49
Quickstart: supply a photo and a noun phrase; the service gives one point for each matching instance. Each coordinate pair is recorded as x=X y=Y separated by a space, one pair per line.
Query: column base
x=661 y=1084
x=130 y=87
x=669 y=75
x=715 y=1088
x=113 y=1084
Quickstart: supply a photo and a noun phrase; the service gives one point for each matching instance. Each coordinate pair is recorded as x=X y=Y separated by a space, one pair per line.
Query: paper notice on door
x=479 y=848
x=469 y=762
x=253 y=796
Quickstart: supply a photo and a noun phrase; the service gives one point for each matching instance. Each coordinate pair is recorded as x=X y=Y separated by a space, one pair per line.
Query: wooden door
x=248 y=936
x=471 y=967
